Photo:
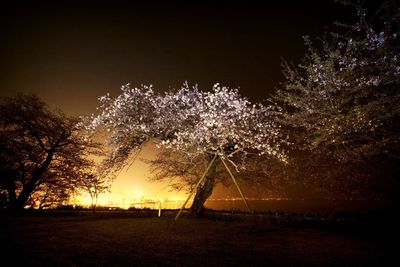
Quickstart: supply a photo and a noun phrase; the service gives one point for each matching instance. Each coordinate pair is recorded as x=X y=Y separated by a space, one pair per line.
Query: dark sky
x=71 y=52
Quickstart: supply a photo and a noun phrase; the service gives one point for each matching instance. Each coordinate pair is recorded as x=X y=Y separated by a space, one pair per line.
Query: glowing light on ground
x=132 y=197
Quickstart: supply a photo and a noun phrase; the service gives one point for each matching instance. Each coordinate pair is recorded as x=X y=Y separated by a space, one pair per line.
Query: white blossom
x=219 y=122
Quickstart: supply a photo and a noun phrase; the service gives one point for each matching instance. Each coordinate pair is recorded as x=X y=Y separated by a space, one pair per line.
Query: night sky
x=70 y=53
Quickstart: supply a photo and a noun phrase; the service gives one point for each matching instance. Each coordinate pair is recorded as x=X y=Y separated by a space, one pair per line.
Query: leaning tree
x=220 y=126
x=181 y=171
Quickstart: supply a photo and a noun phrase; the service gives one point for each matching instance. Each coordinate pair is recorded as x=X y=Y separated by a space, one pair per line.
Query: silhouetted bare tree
x=39 y=149
x=95 y=184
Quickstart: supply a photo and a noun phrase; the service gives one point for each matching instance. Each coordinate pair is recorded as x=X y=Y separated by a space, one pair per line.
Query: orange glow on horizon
x=132 y=186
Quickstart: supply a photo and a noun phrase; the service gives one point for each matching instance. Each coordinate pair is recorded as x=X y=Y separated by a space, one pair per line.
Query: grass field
x=129 y=241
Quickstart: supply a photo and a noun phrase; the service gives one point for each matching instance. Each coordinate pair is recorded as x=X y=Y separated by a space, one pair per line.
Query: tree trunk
x=23 y=197
x=204 y=191
x=11 y=191
x=94 y=204
x=8 y=177
x=30 y=186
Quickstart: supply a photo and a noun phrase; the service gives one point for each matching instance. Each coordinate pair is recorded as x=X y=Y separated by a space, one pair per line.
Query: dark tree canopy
x=342 y=104
x=40 y=150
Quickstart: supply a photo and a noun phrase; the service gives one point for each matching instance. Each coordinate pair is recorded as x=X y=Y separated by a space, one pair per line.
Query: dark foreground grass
x=99 y=241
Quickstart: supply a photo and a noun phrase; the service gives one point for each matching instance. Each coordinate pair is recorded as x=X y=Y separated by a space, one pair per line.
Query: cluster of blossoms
x=219 y=122
x=345 y=95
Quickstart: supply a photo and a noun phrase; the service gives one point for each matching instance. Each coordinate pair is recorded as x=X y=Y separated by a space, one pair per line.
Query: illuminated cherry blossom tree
x=343 y=102
x=219 y=125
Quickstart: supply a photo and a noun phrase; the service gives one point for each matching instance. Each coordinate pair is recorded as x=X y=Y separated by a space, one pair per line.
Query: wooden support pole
x=237 y=185
x=194 y=189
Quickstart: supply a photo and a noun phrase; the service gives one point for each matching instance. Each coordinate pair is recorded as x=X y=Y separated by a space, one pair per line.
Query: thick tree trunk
x=23 y=197
x=205 y=190
x=8 y=178
x=11 y=191
x=30 y=186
